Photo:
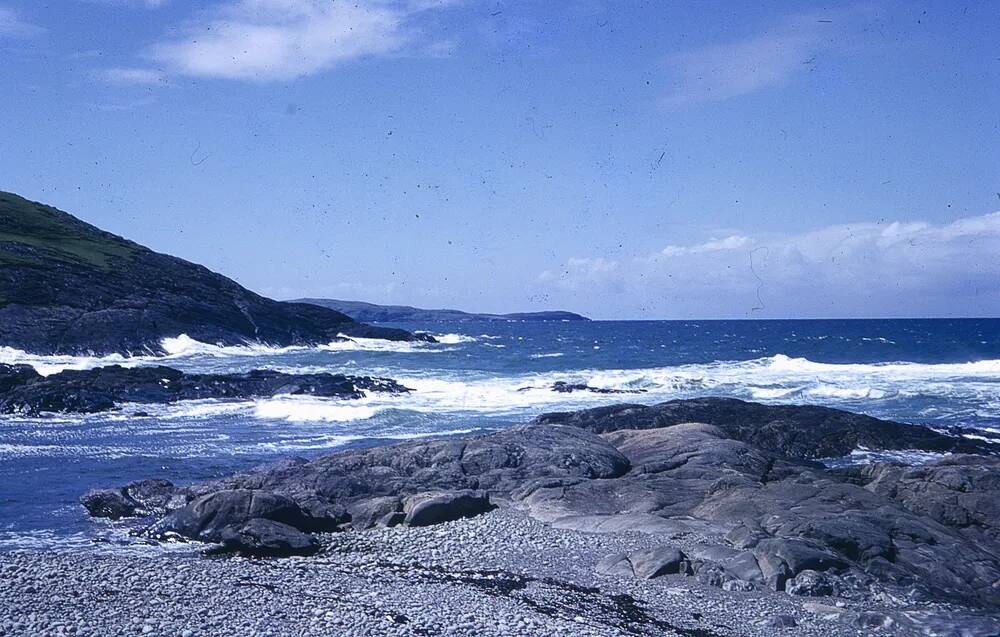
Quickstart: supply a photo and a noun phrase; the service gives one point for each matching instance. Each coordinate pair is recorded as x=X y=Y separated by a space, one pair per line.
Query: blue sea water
x=482 y=376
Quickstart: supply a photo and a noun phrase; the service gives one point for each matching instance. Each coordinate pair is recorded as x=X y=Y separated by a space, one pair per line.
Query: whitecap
x=308 y=408
x=453 y=339
x=354 y=344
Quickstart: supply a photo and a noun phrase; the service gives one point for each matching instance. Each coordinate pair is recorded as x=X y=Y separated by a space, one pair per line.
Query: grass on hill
x=54 y=235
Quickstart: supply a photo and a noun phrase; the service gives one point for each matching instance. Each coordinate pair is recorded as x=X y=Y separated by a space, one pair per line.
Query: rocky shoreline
x=26 y=392
x=712 y=494
x=500 y=573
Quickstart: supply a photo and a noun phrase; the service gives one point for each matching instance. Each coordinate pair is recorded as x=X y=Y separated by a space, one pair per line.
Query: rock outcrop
x=67 y=287
x=795 y=431
x=24 y=391
x=767 y=516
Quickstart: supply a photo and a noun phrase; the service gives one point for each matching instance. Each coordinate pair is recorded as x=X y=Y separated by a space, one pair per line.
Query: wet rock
x=103 y=388
x=566 y=388
x=113 y=504
x=206 y=517
x=144 y=497
x=154 y=495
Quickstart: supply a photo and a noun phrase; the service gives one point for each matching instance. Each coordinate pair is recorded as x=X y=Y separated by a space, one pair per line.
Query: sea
x=479 y=376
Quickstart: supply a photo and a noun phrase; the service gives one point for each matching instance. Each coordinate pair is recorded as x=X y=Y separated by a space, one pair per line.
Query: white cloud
x=12 y=25
x=866 y=269
x=722 y=71
x=268 y=40
x=127 y=75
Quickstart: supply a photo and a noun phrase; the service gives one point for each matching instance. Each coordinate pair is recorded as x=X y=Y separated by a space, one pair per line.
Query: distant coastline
x=373 y=313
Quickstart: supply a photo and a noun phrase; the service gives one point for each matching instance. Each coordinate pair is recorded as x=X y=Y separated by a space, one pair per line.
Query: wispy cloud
x=133 y=76
x=13 y=25
x=866 y=269
x=762 y=60
x=273 y=40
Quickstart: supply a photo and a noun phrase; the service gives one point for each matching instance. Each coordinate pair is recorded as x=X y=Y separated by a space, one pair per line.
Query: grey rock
x=779 y=622
x=832 y=432
x=665 y=560
x=763 y=514
x=616 y=564
x=366 y=514
x=873 y=620
x=259 y=537
x=809 y=583
x=113 y=504
x=206 y=517
x=435 y=507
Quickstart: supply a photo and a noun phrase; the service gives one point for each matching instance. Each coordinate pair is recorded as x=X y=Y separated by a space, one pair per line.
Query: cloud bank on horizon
x=850 y=270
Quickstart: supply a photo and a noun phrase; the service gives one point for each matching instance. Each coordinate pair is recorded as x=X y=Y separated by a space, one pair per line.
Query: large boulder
x=385 y=511
x=206 y=517
x=435 y=507
x=140 y=498
x=113 y=504
x=259 y=537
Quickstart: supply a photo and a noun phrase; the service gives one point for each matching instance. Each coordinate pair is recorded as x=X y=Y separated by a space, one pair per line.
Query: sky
x=641 y=160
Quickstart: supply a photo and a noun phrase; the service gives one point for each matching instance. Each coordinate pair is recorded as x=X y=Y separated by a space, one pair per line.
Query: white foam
x=895 y=369
x=453 y=339
x=357 y=344
x=312 y=409
x=862 y=455
x=46 y=365
x=549 y=355
x=184 y=345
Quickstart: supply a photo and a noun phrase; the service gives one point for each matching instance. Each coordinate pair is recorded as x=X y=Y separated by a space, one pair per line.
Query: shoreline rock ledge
x=24 y=391
x=743 y=480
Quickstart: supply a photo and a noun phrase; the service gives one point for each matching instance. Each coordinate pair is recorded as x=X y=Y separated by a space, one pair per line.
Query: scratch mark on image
x=198 y=162
x=760 y=281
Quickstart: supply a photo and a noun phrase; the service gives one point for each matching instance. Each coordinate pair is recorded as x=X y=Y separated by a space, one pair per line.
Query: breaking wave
x=182 y=347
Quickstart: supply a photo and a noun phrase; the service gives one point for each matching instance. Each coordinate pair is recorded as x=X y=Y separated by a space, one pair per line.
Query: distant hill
x=373 y=313
x=68 y=287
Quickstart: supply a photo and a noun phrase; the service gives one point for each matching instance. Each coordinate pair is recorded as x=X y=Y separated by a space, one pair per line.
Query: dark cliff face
x=69 y=287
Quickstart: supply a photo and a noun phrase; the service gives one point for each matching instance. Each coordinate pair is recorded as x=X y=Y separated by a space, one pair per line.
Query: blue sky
x=622 y=159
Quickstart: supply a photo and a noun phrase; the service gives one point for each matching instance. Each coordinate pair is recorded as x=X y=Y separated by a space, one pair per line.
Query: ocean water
x=481 y=376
